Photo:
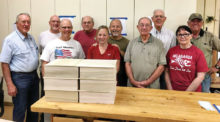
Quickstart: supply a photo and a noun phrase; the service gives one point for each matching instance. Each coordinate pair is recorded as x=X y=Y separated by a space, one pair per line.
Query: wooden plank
x=60 y=84
x=139 y=104
x=62 y=68
x=98 y=85
x=97 y=97
x=98 y=69
x=61 y=96
x=215 y=82
x=65 y=119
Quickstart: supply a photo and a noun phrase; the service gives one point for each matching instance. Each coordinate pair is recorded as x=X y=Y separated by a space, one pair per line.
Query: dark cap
x=195 y=16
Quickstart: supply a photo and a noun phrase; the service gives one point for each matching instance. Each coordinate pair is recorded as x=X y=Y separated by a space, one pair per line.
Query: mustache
x=115 y=31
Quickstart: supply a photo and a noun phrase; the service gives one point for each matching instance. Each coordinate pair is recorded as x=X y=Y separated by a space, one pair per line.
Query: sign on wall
x=71 y=18
x=123 y=22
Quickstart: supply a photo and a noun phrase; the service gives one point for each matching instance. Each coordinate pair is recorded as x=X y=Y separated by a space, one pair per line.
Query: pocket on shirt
x=207 y=46
x=22 y=53
x=152 y=58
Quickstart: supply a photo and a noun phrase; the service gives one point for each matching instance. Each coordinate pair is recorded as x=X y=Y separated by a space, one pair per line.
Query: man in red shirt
x=86 y=37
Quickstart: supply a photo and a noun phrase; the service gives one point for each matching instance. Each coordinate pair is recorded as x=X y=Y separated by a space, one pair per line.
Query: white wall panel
x=178 y=12
x=3 y=34
x=115 y=9
x=4 y=20
x=69 y=8
x=209 y=11
x=217 y=17
x=15 y=7
x=200 y=6
x=95 y=9
x=145 y=8
x=41 y=15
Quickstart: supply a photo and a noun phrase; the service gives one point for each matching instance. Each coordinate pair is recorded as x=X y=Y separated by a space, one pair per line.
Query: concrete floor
x=8 y=113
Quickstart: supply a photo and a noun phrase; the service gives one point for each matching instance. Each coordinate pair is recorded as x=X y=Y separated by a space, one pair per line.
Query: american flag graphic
x=63 y=53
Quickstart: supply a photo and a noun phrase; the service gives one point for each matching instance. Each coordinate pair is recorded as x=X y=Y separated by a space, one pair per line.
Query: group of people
x=152 y=60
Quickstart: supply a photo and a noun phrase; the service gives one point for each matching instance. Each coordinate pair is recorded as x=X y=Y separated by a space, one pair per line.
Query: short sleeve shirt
x=122 y=43
x=59 y=49
x=20 y=52
x=85 y=39
x=111 y=52
x=45 y=37
x=145 y=58
x=207 y=42
x=183 y=66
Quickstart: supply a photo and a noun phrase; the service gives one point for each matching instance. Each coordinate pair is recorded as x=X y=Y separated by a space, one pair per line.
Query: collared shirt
x=207 y=42
x=166 y=36
x=145 y=58
x=20 y=52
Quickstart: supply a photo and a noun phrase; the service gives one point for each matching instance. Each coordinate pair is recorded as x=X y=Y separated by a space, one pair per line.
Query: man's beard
x=115 y=34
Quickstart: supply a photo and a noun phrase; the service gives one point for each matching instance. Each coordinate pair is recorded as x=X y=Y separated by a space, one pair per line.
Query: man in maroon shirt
x=86 y=37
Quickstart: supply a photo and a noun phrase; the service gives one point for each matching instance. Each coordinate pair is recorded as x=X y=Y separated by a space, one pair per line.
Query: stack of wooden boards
x=80 y=80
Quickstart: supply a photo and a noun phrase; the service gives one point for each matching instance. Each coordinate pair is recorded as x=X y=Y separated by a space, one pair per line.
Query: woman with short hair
x=186 y=64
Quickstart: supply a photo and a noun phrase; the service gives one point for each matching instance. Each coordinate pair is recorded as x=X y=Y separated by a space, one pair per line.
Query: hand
x=94 y=44
x=116 y=46
x=12 y=90
x=137 y=84
x=144 y=83
x=212 y=70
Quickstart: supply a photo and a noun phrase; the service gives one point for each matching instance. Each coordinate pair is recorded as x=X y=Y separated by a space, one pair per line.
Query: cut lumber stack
x=97 y=81
x=61 y=80
x=80 y=80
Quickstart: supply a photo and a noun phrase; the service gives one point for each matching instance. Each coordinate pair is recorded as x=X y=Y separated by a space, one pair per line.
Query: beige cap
x=195 y=16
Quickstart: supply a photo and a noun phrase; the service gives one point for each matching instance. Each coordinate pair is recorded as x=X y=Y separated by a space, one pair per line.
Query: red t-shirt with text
x=183 y=66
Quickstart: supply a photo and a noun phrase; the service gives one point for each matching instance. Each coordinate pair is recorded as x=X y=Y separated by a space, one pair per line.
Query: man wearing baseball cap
x=207 y=42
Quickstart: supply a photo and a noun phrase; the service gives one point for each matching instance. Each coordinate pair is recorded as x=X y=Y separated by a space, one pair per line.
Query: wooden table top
x=141 y=104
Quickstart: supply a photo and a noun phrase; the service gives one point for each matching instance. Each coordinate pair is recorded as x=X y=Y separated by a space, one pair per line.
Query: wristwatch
x=217 y=67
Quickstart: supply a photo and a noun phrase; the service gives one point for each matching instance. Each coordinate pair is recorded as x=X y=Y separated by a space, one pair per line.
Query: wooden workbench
x=140 y=104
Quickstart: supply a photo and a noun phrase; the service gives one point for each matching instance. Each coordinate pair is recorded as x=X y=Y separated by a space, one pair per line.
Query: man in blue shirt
x=19 y=58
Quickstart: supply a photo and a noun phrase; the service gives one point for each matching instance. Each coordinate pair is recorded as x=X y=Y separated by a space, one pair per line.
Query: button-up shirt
x=20 y=52
x=166 y=36
x=207 y=42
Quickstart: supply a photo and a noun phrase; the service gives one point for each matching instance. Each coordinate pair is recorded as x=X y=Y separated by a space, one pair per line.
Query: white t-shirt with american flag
x=62 y=49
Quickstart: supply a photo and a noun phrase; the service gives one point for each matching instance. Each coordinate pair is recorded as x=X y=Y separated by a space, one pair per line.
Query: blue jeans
x=27 y=85
x=206 y=83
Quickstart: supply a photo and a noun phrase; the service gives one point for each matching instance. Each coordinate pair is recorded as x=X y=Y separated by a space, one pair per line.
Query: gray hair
x=145 y=18
x=63 y=20
x=116 y=20
x=17 y=18
x=158 y=10
x=89 y=17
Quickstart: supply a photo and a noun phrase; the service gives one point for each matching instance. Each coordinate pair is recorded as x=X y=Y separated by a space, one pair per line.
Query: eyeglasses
x=53 y=21
x=66 y=27
x=144 y=25
x=157 y=16
x=183 y=35
x=89 y=22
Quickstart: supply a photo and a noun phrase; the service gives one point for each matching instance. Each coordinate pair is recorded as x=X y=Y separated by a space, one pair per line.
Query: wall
x=177 y=12
x=100 y=10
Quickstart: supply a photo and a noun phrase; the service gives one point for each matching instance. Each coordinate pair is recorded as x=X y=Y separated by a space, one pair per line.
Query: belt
x=34 y=71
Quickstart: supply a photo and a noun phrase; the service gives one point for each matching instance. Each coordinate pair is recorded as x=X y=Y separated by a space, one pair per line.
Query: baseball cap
x=195 y=16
